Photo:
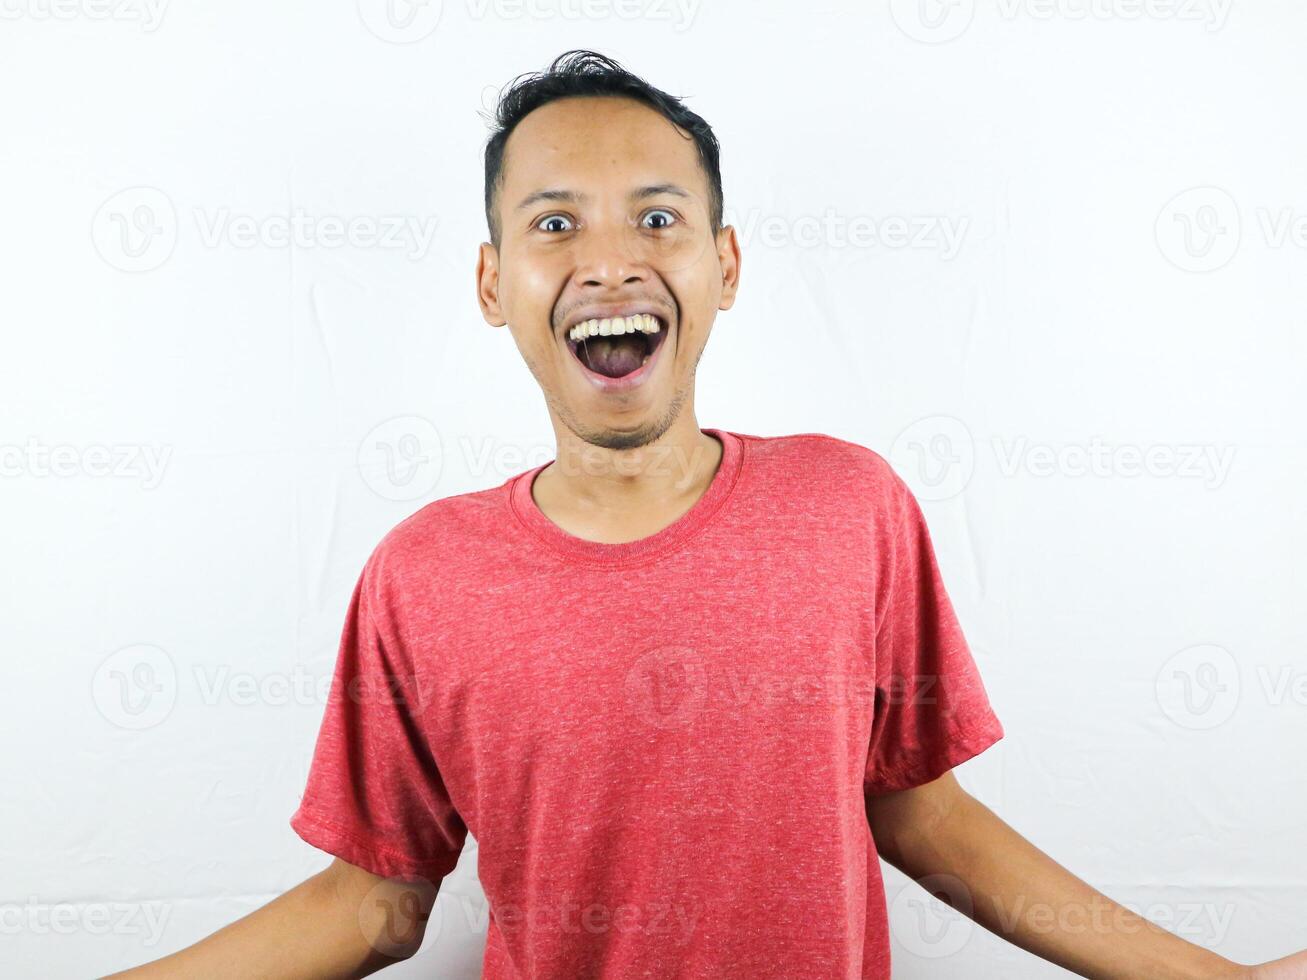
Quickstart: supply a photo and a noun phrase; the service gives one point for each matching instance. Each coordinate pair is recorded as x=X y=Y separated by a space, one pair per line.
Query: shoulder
x=815 y=459
x=437 y=541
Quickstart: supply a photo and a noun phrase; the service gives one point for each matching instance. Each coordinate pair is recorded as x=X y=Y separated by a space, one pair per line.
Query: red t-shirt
x=661 y=747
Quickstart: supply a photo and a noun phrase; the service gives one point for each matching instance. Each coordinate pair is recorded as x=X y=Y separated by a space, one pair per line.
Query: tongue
x=612 y=356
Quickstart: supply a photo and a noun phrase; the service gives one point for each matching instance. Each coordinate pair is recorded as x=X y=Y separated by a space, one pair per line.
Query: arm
x=344 y=922
x=1021 y=894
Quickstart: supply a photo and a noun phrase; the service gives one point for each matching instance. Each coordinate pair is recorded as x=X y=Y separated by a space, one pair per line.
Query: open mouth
x=619 y=346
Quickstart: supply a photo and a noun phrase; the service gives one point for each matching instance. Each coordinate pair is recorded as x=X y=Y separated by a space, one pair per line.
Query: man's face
x=604 y=216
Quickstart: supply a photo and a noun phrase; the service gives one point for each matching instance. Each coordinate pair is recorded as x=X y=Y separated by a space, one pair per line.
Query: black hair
x=582 y=72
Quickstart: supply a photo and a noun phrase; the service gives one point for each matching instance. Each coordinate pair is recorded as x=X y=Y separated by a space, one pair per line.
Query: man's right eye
x=553 y=222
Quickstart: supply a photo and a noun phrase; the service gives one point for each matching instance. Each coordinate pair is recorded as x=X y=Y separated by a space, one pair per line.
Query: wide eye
x=658 y=219
x=555 y=223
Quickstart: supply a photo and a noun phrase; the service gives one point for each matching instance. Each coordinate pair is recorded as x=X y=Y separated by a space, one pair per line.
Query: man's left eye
x=665 y=218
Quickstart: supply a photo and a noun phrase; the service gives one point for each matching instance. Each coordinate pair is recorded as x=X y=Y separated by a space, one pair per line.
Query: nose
x=606 y=260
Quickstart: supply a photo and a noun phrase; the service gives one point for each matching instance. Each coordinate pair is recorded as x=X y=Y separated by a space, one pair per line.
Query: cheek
x=530 y=287
x=697 y=288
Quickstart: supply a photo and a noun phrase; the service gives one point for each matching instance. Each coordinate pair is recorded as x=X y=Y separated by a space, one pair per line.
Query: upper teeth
x=643 y=322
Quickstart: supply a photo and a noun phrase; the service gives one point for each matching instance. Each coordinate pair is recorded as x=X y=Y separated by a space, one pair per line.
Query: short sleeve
x=931 y=711
x=375 y=796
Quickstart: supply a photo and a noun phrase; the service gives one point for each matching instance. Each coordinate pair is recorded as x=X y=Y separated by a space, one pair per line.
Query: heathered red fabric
x=661 y=747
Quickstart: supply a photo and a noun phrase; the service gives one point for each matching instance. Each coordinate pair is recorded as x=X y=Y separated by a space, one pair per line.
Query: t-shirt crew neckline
x=572 y=547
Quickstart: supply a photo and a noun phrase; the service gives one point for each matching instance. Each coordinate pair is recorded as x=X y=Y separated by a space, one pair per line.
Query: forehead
x=590 y=139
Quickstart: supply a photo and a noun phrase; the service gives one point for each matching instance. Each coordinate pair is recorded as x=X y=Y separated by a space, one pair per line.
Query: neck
x=619 y=494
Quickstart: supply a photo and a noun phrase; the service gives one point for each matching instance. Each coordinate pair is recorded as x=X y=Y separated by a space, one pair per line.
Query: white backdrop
x=1047 y=257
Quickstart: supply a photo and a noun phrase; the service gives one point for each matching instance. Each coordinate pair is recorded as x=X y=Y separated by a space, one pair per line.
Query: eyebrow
x=573 y=197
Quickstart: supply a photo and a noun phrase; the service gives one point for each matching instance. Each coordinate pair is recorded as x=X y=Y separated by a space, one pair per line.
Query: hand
x=1293 y=967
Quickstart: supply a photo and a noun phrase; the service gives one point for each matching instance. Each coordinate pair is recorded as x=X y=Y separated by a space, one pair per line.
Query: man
x=685 y=686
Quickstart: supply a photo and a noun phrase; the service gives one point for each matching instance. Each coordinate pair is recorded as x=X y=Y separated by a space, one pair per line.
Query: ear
x=728 y=254
x=488 y=285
